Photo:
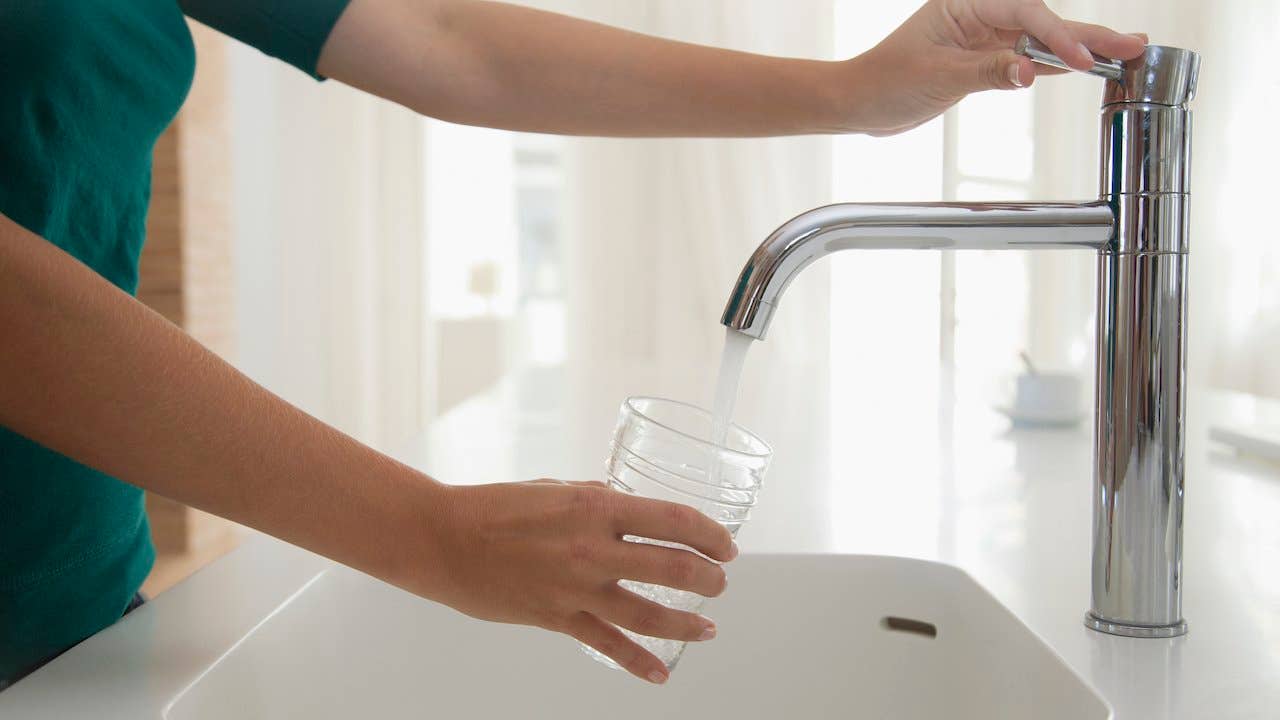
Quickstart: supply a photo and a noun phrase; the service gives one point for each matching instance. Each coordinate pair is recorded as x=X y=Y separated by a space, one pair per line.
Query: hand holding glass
x=663 y=449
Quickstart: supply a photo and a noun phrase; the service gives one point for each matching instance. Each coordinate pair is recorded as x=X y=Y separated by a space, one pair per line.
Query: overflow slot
x=907 y=625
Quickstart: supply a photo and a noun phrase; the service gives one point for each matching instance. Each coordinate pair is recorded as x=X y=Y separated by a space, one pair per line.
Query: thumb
x=1004 y=70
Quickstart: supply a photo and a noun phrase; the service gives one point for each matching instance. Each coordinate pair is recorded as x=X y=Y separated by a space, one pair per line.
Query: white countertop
x=1010 y=507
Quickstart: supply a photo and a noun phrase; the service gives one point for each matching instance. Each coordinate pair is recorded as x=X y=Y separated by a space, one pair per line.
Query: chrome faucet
x=1138 y=226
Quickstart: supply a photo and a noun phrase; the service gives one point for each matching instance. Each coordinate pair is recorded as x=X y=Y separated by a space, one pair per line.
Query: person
x=101 y=398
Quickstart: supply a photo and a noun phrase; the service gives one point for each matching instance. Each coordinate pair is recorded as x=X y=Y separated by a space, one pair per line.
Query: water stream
x=732 y=357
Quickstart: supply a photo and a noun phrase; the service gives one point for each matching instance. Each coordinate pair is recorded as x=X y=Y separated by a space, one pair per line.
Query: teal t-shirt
x=86 y=88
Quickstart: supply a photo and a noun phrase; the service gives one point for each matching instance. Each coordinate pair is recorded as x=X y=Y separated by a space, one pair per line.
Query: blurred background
x=379 y=269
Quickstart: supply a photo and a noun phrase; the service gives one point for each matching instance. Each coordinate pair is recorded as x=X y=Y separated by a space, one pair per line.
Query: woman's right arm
x=88 y=371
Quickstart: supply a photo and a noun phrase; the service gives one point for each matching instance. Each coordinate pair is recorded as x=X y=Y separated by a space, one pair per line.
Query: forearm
x=499 y=65
x=89 y=372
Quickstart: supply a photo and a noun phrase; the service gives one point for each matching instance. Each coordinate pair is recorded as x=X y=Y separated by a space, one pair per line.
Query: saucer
x=1047 y=420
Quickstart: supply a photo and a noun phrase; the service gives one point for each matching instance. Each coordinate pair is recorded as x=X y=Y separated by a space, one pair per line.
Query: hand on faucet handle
x=951 y=48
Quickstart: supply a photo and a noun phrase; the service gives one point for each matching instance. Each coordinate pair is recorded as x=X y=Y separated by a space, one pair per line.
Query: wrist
x=860 y=80
x=413 y=543
x=823 y=87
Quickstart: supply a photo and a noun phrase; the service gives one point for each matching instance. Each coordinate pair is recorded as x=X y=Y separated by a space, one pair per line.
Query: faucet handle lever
x=1038 y=52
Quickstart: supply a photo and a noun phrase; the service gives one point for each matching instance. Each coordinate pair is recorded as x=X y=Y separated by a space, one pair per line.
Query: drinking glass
x=664 y=449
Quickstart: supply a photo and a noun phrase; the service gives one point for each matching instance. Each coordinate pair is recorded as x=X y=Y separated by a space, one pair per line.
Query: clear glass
x=662 y=449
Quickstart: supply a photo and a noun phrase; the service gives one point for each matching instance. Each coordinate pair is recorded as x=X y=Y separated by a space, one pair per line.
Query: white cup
x=1047 y=397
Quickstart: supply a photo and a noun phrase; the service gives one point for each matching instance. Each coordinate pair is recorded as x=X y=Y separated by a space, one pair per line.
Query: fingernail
x=657 y=677
x=1086 y=51
x=733 y=550
x=1014 y=70
x=708 y=632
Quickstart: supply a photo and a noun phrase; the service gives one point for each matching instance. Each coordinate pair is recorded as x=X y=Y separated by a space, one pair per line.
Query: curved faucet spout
x=925 y=226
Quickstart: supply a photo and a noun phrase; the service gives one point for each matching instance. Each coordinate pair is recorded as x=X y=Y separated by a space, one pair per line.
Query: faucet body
x=1138 y=228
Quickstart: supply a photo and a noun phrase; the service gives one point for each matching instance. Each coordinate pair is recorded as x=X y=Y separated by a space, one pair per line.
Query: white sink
x=799 y=636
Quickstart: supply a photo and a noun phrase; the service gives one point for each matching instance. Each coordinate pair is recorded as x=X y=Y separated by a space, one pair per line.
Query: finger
x=1003 y=70
x=669 y=567
x=1046 y=26
x=609 y=640
x=1107 y=42
x=646 y=617
x=673 y=522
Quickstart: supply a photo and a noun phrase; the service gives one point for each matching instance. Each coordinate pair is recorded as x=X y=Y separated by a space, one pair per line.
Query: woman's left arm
x=499 y=65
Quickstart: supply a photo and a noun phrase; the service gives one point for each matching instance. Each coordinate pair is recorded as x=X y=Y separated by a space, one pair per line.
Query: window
x=496 y=257
x=989 y=135
x=903 y=322
x=494 y=266
x=540 y=288
x=967 y=309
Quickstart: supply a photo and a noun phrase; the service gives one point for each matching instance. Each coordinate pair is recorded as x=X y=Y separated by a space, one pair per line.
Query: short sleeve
x=292 y=30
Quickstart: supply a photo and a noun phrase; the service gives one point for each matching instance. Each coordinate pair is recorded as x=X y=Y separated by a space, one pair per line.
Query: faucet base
x=1136 y=631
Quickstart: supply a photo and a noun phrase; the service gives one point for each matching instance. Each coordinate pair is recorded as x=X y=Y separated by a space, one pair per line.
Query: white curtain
x=1235 y=276
x=329 y=285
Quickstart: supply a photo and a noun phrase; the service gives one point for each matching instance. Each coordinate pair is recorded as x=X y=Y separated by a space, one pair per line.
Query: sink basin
x=799 y=636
